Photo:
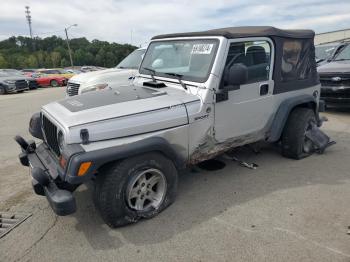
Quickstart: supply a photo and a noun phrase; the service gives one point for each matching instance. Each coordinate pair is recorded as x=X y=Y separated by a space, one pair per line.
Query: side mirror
x=236 y=75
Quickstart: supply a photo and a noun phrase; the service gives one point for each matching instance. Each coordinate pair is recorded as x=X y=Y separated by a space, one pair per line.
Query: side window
x=256 y=56
x=296 y=60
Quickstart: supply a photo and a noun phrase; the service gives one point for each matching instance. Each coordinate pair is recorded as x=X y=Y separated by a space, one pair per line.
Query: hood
x=120 y=112
x=335 y=67
x=13 y=78
x=99 y=75
x=27 y=78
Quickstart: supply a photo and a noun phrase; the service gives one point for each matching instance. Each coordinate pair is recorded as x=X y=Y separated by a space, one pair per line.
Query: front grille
x=50 y=131
x=337 y=93
x=72 y=89
x=331 y=79
x=21 y=84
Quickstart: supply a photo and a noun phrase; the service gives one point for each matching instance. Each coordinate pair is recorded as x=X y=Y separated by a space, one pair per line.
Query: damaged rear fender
x=285 y=109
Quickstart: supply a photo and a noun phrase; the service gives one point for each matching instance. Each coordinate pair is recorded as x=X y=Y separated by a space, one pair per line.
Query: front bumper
x=336 y=96
x=46 y=178
x=13 y=89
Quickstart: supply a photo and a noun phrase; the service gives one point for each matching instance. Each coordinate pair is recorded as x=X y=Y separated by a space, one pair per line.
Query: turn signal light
x=84 y=168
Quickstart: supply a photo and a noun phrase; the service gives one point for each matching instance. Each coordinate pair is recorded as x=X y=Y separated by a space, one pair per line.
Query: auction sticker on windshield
x=202 y=49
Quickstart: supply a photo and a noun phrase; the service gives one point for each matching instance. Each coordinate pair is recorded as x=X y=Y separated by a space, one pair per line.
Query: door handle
x=264 y=89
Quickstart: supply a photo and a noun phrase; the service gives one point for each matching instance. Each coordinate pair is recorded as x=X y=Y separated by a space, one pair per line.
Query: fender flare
x=107 y=155
x=283 y=111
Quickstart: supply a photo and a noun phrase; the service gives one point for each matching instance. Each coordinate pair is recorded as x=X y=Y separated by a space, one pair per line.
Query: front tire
x=3 y=90
x=135 y=188
x=295 y=144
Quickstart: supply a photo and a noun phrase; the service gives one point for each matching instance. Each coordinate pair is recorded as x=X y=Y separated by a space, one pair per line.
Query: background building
x=332 y=36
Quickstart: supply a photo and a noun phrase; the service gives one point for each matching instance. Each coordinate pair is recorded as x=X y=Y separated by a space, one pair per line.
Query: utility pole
x=29 y=20
x=69 y=51
x=67 y=39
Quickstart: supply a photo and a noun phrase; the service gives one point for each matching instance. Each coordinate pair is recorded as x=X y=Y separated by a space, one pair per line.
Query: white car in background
x=122 y=74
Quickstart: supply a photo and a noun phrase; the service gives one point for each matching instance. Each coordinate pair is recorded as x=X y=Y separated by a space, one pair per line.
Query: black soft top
x=245 y=31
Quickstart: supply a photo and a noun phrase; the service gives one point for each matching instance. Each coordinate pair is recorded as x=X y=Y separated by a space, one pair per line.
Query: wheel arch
x=103 y=157
x=284 y=110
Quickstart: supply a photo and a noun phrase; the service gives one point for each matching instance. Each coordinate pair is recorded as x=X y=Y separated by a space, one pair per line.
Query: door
x=247 y=109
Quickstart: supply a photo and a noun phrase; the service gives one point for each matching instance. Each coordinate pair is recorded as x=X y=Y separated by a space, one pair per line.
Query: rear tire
x=54 y=83
x=294 y=142
x=135 y=188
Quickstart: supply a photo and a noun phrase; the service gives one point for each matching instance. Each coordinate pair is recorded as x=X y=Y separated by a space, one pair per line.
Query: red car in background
x=49 y=80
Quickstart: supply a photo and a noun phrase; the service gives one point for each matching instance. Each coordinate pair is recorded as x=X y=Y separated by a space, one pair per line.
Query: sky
x=135 y=22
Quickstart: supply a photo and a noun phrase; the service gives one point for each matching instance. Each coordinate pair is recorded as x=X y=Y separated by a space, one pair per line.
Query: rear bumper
x=46 y=179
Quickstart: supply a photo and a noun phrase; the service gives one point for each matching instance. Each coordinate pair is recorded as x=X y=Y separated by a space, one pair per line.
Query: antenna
x=29 y=19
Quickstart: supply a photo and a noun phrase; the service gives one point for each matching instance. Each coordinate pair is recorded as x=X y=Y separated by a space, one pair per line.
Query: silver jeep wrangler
x=197 y=95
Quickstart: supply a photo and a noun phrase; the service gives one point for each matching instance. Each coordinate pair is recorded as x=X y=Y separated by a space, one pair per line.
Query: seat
x=257 y=63
x=256 y=55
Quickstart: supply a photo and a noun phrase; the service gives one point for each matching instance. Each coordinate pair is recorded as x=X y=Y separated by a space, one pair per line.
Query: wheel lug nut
x=143 y=184
x=148 y=186
x=147 y=193
x=138 y=192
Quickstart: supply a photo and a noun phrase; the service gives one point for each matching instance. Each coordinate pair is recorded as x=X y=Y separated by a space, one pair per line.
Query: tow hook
x=27 y=148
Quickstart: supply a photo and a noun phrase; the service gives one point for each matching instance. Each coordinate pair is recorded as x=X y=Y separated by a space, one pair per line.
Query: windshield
x=344 y=54
x=190 y=59
x=133 y=60
x=325 y=51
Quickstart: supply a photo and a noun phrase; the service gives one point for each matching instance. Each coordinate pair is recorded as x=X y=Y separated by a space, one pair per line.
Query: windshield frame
x=185 y=77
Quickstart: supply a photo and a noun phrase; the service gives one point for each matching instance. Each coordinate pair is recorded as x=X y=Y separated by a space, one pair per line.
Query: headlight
x=9 y=81
x=60 y=140
x=96 y=87
x=35 y=126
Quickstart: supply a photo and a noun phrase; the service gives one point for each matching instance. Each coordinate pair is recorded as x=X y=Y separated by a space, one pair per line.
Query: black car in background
x=335 y=79
x=10 y=83
x=32 y=83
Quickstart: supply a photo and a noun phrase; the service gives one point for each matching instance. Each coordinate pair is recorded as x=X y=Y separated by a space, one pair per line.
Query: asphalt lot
x=285 y=210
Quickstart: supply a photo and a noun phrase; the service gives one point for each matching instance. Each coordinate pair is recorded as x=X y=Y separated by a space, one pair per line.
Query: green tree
x=3 y=62
x=31 y=62
x=55 y=58
x=64 y=62
x=19 y=52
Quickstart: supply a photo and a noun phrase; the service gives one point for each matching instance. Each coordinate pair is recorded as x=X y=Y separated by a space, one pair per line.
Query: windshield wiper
x=152 y=71
x=179 y=77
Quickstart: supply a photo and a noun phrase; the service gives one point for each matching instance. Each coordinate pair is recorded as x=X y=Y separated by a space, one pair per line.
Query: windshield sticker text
x=204 y=49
